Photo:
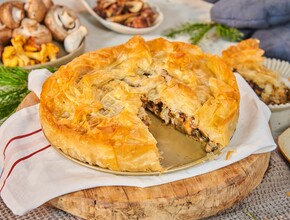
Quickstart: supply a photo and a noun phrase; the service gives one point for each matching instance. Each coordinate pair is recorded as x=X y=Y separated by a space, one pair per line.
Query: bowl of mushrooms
x=39 y=33
x=127 y=16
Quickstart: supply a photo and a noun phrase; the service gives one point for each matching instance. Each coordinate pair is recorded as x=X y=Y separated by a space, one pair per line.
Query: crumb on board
x=229 y=154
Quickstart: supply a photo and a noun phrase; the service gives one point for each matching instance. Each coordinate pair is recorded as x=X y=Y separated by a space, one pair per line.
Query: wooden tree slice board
x=191 y=198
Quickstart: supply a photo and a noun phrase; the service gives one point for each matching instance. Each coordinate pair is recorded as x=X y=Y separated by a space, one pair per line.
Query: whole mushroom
x=74 y=39
x=31 y=28
x=61 y=21
x=1 y=50
x=35 y=9
x=5 y=34
x=11 y=13
x=48 y=3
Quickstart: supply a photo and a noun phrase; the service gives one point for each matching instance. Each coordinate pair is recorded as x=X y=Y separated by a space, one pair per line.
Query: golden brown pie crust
x=247 y=59
x=93 y=107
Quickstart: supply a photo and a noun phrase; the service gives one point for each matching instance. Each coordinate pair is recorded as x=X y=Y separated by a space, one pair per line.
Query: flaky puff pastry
x=93 y=107
x=247 y=59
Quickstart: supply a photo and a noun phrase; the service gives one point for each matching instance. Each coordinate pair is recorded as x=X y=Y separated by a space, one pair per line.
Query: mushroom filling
x=180 y=121
x=258 y=90
x=277 y=96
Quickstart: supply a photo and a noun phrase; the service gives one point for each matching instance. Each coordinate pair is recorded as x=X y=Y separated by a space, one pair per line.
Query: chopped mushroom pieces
x=132 y=13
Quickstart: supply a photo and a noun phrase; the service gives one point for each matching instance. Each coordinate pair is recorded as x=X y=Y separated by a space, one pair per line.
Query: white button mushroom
x=48 y=3
x=31 y=28
x=73 y=40
x=35 y=9
x=5 y=34
x=61 y=21
x=11 y=13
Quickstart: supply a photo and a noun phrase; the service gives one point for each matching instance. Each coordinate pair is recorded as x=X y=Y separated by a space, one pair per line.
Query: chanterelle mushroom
x=31 y=28
x=35 y=9
x=11 y=13
x=14 y=55
x=61 y=21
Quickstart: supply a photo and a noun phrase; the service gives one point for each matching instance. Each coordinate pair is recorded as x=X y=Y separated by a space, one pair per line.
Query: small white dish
x=280 y=117
x=90 y=4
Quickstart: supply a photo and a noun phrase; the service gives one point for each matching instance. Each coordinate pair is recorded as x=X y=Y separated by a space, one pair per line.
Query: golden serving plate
x=178 y=151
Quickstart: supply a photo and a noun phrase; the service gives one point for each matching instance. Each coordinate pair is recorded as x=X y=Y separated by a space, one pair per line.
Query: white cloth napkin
x=32 y=172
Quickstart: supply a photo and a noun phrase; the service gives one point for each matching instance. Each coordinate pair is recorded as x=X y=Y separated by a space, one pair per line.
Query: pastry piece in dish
x=247 y=59
x=94 y=108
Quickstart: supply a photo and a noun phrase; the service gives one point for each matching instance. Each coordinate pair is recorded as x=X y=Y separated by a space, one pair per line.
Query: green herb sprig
x=250 y=215
x=13 y=88
x=197 y=31
x=229 y=33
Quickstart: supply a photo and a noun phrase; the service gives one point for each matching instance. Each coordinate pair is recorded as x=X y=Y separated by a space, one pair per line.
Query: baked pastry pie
x=93 y=108
x=247 y=59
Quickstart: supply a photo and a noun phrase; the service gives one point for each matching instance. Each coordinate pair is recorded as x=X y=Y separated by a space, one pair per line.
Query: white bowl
x=280 y=118
x=89 y=4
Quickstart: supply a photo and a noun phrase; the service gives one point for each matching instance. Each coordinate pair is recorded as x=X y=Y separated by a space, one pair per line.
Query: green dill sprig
x=51 y=69
x=12 y=76
x=250 y=215
x=196 y=37
x=197 y=31
x=13 y=89
x=187 y=28
x=229 y=33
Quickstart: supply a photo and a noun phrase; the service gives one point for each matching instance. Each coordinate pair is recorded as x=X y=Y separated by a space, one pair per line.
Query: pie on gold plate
x=94 y=108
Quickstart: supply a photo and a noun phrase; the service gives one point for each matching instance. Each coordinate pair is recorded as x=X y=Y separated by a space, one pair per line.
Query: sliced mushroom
x=11 y=13
x=74 y=39
x=106 y=3
x=35 y=9
x=109 y=8
x=137 y=22
x=67 y=20
x=31 y=28
x=134 y=6
x=121 y=18
x=150 y=14
x=61 y=21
